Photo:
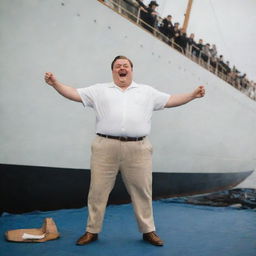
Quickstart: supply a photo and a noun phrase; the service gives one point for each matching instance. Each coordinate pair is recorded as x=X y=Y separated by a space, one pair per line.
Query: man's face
x=122 y=73
x=154 y=7
x=169 y=18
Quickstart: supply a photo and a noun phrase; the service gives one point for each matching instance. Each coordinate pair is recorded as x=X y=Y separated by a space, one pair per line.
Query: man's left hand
x=199 y=92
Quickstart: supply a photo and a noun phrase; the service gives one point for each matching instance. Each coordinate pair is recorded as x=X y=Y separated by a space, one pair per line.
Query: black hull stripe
x=29 y=188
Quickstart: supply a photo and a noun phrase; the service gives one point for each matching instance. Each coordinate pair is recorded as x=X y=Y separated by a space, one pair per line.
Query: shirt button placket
x=123 y=130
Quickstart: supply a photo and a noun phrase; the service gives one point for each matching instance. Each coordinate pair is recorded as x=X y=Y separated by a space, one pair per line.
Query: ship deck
x=186 y=229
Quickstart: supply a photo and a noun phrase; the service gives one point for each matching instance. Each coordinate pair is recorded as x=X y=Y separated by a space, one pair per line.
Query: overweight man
x=123 y=111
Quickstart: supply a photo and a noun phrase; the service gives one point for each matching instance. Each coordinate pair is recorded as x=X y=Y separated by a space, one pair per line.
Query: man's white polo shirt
x=123 y=112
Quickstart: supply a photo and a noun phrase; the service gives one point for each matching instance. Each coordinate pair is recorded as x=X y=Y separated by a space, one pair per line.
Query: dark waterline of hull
x=30 y=188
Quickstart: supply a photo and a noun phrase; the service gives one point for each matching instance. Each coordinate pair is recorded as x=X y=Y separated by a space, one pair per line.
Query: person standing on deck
x=123 y=109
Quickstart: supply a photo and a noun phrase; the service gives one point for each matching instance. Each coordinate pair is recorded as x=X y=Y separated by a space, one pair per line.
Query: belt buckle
x=123 y=138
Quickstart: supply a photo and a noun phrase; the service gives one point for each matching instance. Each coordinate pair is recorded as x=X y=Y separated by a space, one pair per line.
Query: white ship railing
x=130 y=10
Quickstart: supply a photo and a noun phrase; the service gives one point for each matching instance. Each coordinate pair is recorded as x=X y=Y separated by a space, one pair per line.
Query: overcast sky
x=230 y=24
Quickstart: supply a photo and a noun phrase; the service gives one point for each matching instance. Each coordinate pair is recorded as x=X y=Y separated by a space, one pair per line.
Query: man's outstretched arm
x=66 y=91
x=180 y=99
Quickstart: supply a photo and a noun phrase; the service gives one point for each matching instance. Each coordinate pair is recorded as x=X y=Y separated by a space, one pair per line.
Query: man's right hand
x=50 y=79
x=65 y=90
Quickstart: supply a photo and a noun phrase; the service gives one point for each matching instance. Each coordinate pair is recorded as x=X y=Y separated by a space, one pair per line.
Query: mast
x=187 y=14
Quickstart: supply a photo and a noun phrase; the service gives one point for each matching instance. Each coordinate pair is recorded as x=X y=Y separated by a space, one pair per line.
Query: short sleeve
x=87 y=95
x=159 y=99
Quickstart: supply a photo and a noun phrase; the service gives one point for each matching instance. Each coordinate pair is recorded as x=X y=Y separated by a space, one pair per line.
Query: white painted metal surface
x=77 y=40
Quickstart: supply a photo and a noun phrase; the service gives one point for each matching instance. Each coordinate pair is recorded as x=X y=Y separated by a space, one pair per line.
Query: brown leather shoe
x=87 y=238
x=153 y=238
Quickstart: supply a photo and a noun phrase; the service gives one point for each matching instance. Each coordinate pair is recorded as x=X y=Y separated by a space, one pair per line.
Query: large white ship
x=206 y=145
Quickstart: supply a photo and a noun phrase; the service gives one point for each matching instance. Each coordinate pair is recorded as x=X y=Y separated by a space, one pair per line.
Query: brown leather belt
x=121 y=138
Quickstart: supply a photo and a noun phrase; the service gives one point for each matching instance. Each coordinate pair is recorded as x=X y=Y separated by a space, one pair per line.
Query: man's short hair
x=122 y=58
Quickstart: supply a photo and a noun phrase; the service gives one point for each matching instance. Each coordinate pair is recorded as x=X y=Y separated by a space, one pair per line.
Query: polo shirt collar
x=132 y=85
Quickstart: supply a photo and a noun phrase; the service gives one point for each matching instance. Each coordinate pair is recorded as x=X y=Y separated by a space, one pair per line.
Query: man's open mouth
x=122 y=73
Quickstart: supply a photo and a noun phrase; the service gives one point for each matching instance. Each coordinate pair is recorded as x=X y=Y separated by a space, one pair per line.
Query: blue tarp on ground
x=187 y=230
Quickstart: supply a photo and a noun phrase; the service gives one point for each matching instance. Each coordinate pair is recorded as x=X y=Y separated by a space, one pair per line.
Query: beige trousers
x=134 y=160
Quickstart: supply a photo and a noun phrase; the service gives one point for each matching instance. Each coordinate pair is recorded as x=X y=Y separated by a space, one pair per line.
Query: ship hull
x=206 y=145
